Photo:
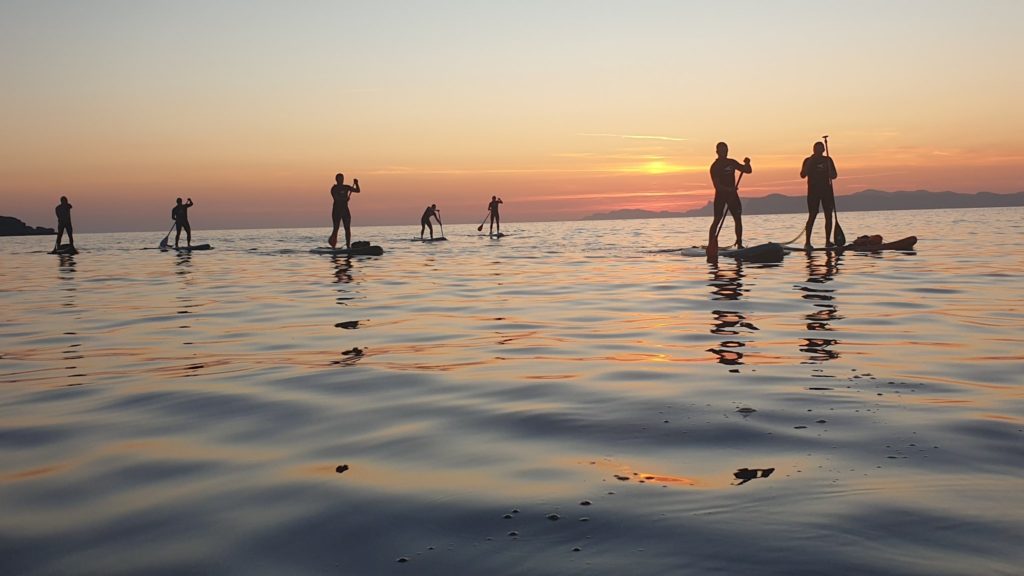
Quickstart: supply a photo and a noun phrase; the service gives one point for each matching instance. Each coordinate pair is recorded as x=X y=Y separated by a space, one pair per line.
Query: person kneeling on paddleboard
x=431 y=210
x=723 y=176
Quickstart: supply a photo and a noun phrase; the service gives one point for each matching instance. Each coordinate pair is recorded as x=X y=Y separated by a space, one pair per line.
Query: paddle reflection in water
x=822 y=267
x=727 y=284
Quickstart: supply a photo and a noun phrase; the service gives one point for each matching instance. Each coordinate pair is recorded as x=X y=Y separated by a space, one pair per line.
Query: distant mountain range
x=857 y=202
x=10 y=226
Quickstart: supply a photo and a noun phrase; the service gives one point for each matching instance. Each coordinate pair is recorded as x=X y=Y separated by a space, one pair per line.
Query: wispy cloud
x=634 y=137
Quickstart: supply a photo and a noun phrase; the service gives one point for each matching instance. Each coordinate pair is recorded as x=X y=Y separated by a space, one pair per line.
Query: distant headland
x=10 y=226
x=857 y=202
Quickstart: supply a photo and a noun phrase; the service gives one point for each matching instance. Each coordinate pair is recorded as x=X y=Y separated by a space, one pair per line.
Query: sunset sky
x=562 y=107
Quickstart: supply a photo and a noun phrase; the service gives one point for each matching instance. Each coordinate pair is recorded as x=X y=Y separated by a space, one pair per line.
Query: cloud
x=635 y=137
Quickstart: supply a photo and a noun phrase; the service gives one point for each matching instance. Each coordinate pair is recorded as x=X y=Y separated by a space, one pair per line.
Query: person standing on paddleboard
x=425 y=220
x=63 y=211
x=341 y=193
x=180 y=216
x=723 y=176
x=819 y=170
x=492 y=208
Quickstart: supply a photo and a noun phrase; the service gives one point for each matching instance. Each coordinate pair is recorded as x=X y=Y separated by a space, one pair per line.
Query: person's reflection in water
x=727 y=284
x=66 y=272
x=821 y=269
x=343 y=276
x=342 y=269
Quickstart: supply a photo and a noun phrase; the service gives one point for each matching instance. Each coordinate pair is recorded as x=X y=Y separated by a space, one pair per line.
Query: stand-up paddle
x=163 y=243
x=839 y=236
x=480 y=228
x=713 y=241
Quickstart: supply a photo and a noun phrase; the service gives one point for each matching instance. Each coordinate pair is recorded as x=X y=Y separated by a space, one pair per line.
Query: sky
x=563 y=108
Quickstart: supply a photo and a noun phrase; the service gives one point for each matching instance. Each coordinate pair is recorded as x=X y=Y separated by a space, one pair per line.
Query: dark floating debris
x=553 y=517
x=622 y=478
x=350 y=325
x=746 y=410
x=584 y=519
x=341 y=468
x=745 y=475
x=576 y=549
x=402 y=560
x=799 y=427
x=507 y=516
x=513 y=533
x=586 y=503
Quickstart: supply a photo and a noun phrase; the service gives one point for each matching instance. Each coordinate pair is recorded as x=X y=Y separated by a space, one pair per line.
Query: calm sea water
x=173 y=414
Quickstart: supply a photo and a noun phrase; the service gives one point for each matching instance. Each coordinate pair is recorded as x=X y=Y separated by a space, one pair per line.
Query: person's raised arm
x=189 y=203
x=745 y=167
x=356 y=187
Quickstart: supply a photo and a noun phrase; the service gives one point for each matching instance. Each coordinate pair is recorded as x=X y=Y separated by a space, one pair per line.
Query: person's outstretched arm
x=745 y=167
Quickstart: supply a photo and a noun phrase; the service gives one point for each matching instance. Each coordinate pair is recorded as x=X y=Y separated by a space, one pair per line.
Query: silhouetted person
x=180 y=216
x=819 y=170
x=341 y=193
x=723 y=176
x=425 y=220
x=495 y=218
x=63 y=211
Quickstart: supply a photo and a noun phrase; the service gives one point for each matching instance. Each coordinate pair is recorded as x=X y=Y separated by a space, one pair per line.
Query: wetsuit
x=723 y=176
x=819 y=171
x=63 y=212
x=425 y=220
x=180 y=216
x=495 y=217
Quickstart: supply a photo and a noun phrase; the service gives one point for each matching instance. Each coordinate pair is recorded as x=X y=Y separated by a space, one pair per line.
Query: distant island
x=857 y=202
x=10 y=226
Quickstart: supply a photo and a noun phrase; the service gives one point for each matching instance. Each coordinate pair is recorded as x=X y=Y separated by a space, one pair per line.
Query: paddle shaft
x=839 y=235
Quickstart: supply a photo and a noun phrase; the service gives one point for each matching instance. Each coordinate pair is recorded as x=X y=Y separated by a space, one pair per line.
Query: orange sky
x=563 y=109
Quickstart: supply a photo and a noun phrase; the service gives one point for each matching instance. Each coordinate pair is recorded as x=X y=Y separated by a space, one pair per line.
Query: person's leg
x=336 y=222
x=60 y=234
x=497 y=220
x=719 y=213
x=828 y=206
x=188 y=234
x=737 y=217
x=490 y=229
x=812 y=214
x=423 y=227
x=177 y=233
x=71 y=237
x=346 y=218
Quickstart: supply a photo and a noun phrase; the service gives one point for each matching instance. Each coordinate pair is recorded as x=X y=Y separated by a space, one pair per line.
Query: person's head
x=339 y=178
x=494 y=197
x=722 y=149
x=434 y=206
x=63 y=199
x=819 y=148
x=178 y=201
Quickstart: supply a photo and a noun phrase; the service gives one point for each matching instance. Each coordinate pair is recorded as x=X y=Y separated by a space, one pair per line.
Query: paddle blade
x=840 y=237
x=480 y=228
x=333 y=240
x=163 y=243
x=713 y=250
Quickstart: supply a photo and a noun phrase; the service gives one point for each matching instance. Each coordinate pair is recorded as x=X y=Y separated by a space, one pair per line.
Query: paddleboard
x=762 y=253
x=498 y=235
x=64 y=249
x=354 y=251
x=191 y=248
x=438 y=239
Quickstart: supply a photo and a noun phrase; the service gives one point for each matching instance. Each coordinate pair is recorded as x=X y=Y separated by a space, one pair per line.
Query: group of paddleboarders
x=818 y=169
x=179 y=214
x=342 y=216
